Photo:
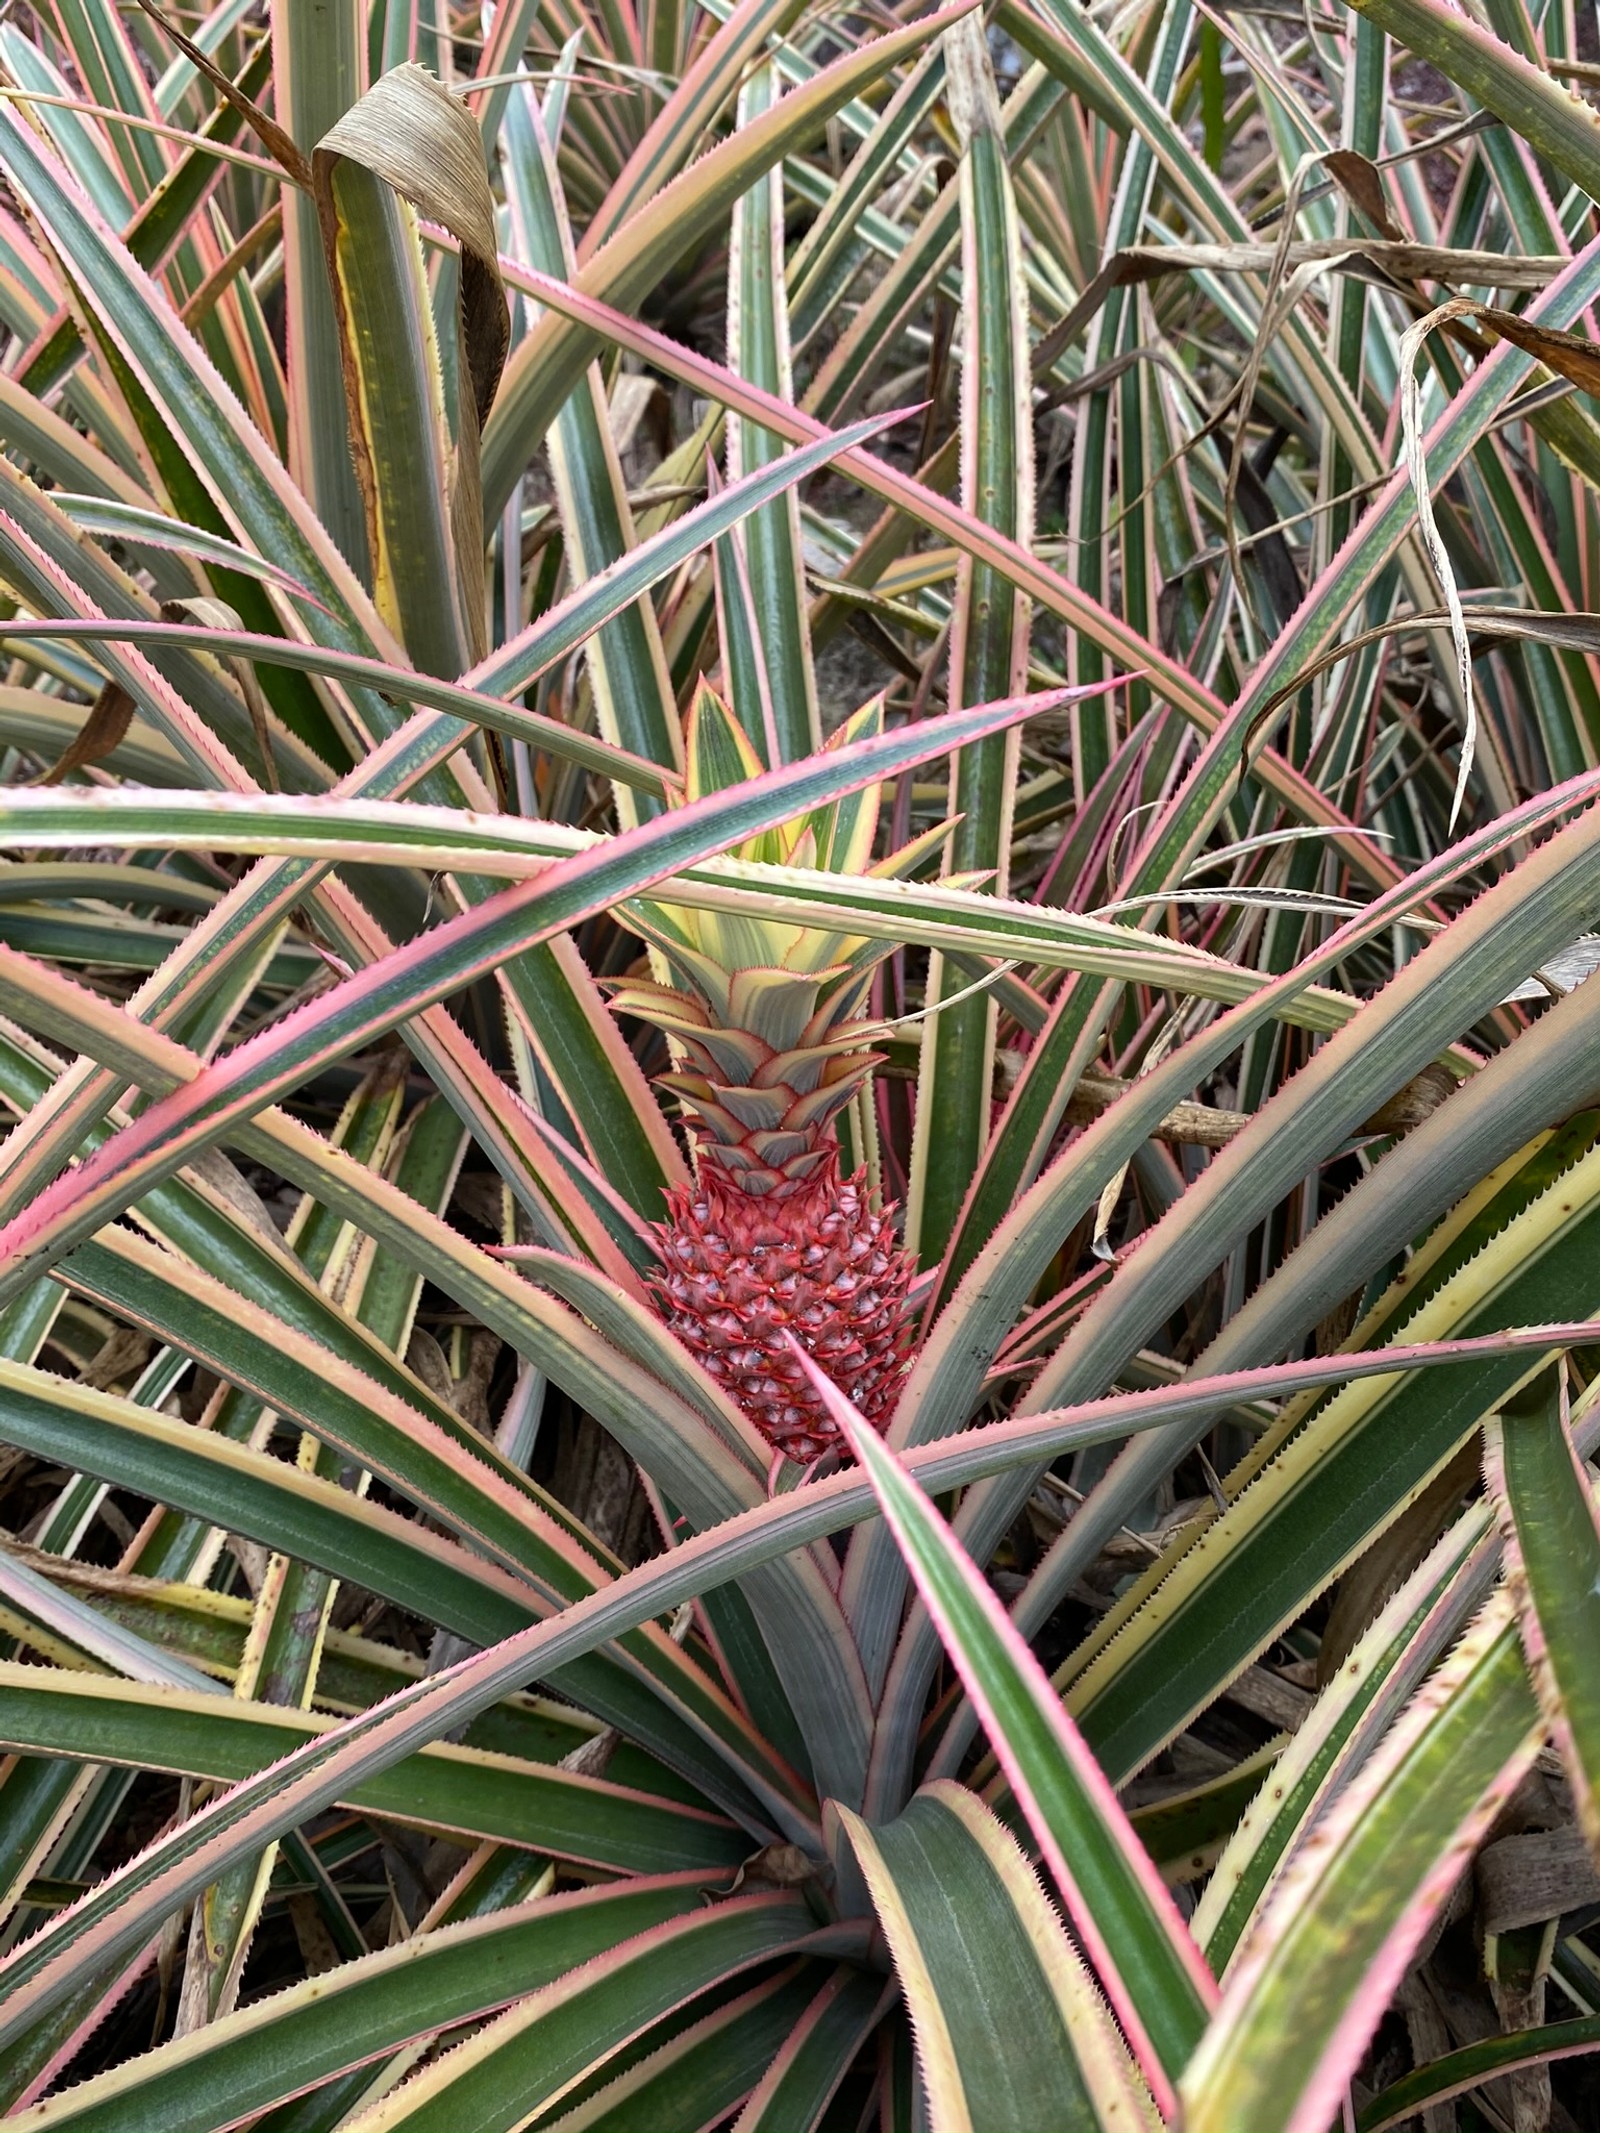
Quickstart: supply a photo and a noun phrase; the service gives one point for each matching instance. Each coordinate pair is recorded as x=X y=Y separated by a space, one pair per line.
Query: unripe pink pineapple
x=769 y=1046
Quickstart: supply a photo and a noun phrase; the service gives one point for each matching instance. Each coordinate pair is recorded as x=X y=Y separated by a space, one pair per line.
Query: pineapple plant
x=765 y=1019
x=469 y=1790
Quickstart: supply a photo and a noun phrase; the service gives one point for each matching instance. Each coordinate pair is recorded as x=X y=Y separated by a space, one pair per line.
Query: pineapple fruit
x=769 y=1046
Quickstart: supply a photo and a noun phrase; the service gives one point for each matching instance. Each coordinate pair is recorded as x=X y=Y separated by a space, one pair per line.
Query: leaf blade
x=1149 y=1965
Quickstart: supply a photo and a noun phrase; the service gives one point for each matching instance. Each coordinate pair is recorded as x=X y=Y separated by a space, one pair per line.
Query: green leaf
x=529 y=2057
x=702 y=2070
x=112 y=518
x=1544 y=1500
x=801 y=2078
x=1011 y=2033
x=1459 y=2073
x=928 y=914
x=676 y=132
x=318 y=72
x=947 y=1376
x=1148 y=1965
x=465 y=1484
x=822 y=264
x=1407 y=1638
x=467 y=1791
x=989 y=635
x=234 y=2068
x=758 y=349
x=1311 y=1979
x=1048 y=588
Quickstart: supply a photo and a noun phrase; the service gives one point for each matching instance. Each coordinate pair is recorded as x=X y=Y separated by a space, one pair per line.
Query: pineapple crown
x=764 y=1013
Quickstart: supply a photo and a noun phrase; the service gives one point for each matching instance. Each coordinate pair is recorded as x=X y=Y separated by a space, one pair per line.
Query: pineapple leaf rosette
x=769 y=1044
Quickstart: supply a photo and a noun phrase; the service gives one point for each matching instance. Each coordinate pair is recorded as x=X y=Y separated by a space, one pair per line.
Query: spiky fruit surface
x=821 y=1263
x=769 y=1046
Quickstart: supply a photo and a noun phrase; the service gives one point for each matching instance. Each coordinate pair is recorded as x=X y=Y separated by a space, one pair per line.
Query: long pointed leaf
x=171 y=1130
x=1150 y=1968
x=988 y=639
x=985 y=1965
x=1310 y=1982
x=1552 y=1540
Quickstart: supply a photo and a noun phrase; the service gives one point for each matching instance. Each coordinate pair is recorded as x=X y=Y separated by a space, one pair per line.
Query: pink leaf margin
x=884 y=1471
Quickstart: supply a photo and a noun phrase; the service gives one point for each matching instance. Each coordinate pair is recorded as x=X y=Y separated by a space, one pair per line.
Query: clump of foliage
x=799 y=1296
